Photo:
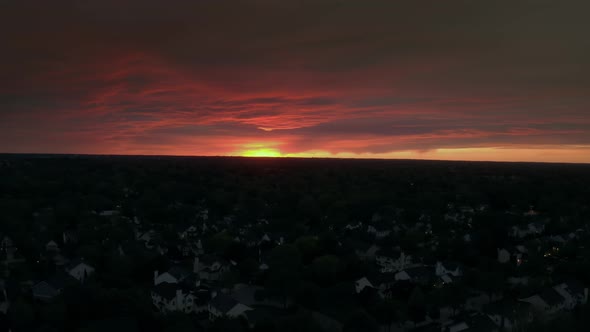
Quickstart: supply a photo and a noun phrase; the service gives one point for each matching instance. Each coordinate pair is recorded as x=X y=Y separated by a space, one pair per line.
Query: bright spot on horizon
x=262 y=152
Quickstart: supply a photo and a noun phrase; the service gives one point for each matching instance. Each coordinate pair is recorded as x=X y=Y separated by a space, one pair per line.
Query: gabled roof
x=551 y=297
x=447 y=278
x=75 y=262
x=223 y=303
x=52 y=286
x=44 y=290
x=575 y=288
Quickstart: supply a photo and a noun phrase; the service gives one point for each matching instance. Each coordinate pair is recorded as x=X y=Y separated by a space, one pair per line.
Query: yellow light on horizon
x=262 y=152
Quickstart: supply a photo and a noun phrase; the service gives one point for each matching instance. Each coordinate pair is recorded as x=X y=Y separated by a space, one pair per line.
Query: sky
x=502 y=80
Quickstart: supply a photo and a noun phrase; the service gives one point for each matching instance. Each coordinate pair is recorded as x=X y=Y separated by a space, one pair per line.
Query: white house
x=392 y=262
x=169 y=297
x=189 y=232
x=361 y=284
x=80 y=270
x=573 y=293
x=108 y=213
x=504 y=255
x=379 y=233
x=353 y=227
x=51 y=246
x=211 y=268
x=367 y=252
x=453 y=269
x=173 y=276
x=548 y=302
x=533 y=228
x=515 y=254
x=509 y=315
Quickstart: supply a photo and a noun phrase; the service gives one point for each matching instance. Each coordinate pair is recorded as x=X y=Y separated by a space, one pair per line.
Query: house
x=510 y=315
x=48 y=289
x=147 y=237
x=202 y=298
x=467 y=238
x=80 y=269
x=168 y=297
x=203 y=214
x=190 y=232
x=533 y=228
x=268 y=241
x=360 y=284
x=108 y=213
x=366 y=251
x=69 y=236
x=503 y=255
x=548 y=302
x=392 y=261
x=60 y=260
x=51 y=246
x=573 y=292
x=566 y=296
x=448 y=268
x=173 y=276
x=512 y=254
x=465 y=209
x=378 y=232
x=356 y=226
x=445 y=279
x=210 y=267
x=419 y=274
x=223 y=305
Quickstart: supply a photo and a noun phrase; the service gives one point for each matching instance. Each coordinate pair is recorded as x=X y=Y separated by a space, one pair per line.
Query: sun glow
x=262 y=152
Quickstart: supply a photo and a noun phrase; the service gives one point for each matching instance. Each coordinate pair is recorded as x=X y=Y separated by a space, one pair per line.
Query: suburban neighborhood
x=213 y=264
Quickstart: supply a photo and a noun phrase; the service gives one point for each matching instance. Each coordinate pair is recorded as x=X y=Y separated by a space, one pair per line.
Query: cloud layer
x=497 y=80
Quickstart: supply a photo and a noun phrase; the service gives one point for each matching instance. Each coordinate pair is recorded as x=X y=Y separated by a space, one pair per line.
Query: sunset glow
x=261 y=153
x=357 y=80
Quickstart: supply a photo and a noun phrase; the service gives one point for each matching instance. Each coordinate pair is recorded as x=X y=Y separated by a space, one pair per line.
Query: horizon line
x=285 y=157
